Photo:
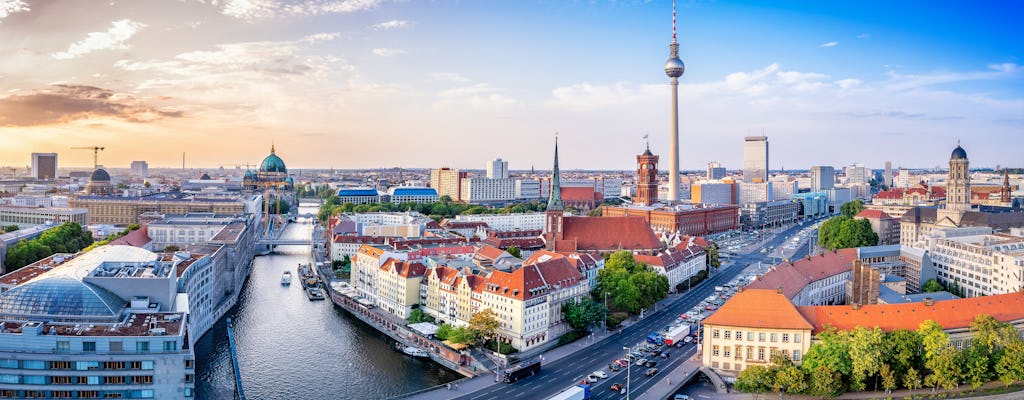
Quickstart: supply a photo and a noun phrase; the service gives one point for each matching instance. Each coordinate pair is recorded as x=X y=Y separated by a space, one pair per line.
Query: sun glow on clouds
x=8 y=7
x=114 y=38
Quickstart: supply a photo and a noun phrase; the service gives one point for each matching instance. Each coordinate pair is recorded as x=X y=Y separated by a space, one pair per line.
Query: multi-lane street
x=558 y=375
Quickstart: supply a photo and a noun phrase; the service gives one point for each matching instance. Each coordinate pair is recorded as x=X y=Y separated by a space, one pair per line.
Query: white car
x=601 y=374
x=641 y=361
x=592 y=378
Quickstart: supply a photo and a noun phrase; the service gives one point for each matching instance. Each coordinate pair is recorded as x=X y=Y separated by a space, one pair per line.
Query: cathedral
x=272 y=174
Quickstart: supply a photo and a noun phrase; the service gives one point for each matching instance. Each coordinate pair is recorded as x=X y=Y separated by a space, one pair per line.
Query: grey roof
x=958 y=154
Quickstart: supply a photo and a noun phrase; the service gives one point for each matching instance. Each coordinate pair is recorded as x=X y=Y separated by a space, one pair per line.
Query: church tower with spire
x=958 y=186
x=556 y=210
x=646 y=178
x=1004 y=193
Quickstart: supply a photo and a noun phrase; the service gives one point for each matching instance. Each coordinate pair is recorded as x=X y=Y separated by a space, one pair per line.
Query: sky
x=379 y=83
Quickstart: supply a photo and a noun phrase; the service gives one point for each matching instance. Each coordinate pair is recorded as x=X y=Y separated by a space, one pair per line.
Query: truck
x=578 y=392
x=677 y=334
x=520 y=371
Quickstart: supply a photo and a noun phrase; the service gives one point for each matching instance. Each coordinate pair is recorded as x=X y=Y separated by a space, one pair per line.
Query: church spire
x=555 y=199
x=1005 y=192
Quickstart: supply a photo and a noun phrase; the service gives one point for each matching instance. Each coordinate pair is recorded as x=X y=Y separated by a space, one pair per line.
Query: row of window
x=761 y=336
x=64 y=346
x=81 y=394
x=79 y=365
x=727 y=351
x=75 y=380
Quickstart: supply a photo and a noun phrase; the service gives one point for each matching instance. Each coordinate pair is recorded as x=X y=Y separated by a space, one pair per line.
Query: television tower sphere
x=674 y=67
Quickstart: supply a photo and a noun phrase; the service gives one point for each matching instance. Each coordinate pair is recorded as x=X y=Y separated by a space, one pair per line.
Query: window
x=796 y=337
x=142 y=380
x=760 y=337
x=61 y=394
x=113 y=395
x=33 y=379
x=60 y=364
x=785 y=338
x=189 y=378
x=60 y=380
x=33 y=364
x=714 y=351
x=726 y=351
x=8 y=363
x=114 y=380
x=714 y=333
x=88 y=394
x=141 y=347
x=188 y=392
x=89 y=346
x=63 y=346
x=760 y=353
x=113 y=365
x=775 y=337
x=170 y=345
x=796 y=355
x=739 y=335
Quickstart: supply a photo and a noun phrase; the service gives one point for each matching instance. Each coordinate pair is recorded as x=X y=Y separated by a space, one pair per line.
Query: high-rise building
x=903 y=178
x=447 y=182
x=497 y=169
x=646 y=178
x=857 y=174
x=44 y=165
x=887 y=173
x=715 y=171
x=822 y=178
x=674 y=68
x=755 y=159
x=140 y=169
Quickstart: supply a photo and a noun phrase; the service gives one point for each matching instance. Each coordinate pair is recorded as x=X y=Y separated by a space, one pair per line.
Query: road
x=559 y=375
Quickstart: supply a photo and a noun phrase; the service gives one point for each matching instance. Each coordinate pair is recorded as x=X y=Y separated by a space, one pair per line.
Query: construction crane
x=95 y=154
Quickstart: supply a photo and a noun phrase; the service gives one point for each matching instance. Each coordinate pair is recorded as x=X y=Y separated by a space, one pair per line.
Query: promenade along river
x=292 y=348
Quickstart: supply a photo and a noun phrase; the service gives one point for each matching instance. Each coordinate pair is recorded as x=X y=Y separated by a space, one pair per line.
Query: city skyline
x=329 y=82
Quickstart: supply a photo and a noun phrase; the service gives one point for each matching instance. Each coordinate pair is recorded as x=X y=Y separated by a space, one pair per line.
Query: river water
x=292 y=348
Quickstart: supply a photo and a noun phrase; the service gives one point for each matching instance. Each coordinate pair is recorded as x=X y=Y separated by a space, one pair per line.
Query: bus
x=524 y=370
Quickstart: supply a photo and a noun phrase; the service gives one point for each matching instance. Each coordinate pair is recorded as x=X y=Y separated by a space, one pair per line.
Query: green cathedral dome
x=273 y=163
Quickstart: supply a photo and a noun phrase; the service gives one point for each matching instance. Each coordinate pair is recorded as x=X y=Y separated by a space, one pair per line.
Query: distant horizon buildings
x=44 y=166
x=755 y=158
x=140 y=169
x=822 y=178
x=715 y=171
x=497 y=169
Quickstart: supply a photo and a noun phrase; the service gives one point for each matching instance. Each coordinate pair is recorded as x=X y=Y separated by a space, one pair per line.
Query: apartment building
x=750 y=327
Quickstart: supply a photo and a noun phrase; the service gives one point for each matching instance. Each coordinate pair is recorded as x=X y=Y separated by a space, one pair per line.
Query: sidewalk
x=671 y=381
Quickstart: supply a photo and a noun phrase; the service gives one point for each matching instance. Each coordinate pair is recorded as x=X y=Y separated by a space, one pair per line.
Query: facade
x=366 y=267
x=857 y=174
x=186 y=229
x=750 y=327
x=902 y=178
x=684 y=220
x=712 y=193
x=715 y=171
x=126 y=210
x=783 y=189
x=487 y=191
x=527 y=189
x=887 y=174
x=769 y=213
x=497 y=169
x=409 y=194
x=447 y=182
x=958 y=185
x=398 y=289
x=813 y=204
x=887 y=227
x=507 y=222
x=813 y=280
x=646 y=178
x=753 y=192
x=822 y=178
x=44 y=166
x=360 y=196
x=140 y=169
x=755 y=158
x=25 y=217
x=99 y=183
x=677 y=263
x=981 y=265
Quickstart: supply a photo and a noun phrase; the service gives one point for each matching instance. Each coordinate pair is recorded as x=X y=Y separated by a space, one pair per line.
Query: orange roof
x=759 y=308
x=951 y=314
x=136 y=238
x=489 y=252
x=793 y=276
x=404 y=269
x=874 y=214
x=607 y=234
x=579 y=194
x=370 y=251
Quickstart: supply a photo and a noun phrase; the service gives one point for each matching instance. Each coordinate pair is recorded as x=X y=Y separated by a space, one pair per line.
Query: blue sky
x=373 y=83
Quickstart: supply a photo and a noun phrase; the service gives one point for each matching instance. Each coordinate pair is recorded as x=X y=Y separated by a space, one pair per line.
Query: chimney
x=779 y=290
x=856 y=306
x=928 y=301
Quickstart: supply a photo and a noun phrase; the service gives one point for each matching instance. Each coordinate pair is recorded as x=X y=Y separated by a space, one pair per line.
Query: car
x=688 y=339
x=682 y=397
x=656 y=353
x=665 y=354
x=641 y=361
x=616 y=387
x=614 y=366
x=601 y=374
x=650 y=364
x=592 y=378
x=680 y=344
x=651 y=371
x=631 y=357
x=622 y=362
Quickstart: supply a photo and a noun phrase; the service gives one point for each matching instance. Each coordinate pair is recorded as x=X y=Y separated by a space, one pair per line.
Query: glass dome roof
x=99 y=175
x=61 y=296
x=273 y=163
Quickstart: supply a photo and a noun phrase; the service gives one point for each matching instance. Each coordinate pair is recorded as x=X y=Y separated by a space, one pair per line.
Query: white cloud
x=480 y=96
x=262 y=9
x=114 y=38
x=321 y=37
x=8 y=7
x=899 y=81
x=386 y=52
x=830 y=44
x=393 y=24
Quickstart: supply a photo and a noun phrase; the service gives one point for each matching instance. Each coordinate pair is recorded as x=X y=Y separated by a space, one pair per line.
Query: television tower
x=674 y=68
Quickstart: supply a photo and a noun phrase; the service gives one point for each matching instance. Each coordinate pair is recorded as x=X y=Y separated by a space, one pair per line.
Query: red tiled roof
x=522 y=243
x=895 y=194
x=136 y=238
x=579 y=194
x=607 y=234
x=874 y=214
x=951 y=314
x=536 y=256
x=489 y=252
x=793 y=276
x=453 y=224
x=404 y=269
x=759 y=308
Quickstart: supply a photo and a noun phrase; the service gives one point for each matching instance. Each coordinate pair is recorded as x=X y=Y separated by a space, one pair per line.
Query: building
x=366 y=267
x=674 y=68
x=528 y=189
x=678 y=263
x=487 y=191
x=361 y=195
x=507 y=222
x=140 y=169
x=99 y=183
x=410 y=194
x=272 y=174
x=646 y=178
x=188 y=229
x=125 y=211
x=769 y=213
x=25 y=217
x=715 y=171
x=958 y=185
x=981 y=265
x=690 y=220
x=44 y=166
x=755 y=158
x=887 y=227
x=716 y=193
x=497 y=169
x=887 y=174
x=398 y=291
x=822 y=178
x=783 y=189
x=813 y=204
x=813 y=280
x=750 y=327
x=864 y=285
x=902 y=178
x=857 y=174
x=753 y=192
x=447 y=182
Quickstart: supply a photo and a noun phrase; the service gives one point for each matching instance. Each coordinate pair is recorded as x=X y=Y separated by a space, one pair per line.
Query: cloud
x=8 y=7
x=386 y=52
x=321 y=37
x=392 y=24
x=114 y=38
x=898 y=81
x=863 y=36
x=448 y=77
x=263 y=9
x=64 y=103
x=479 y=96
x=830 y=44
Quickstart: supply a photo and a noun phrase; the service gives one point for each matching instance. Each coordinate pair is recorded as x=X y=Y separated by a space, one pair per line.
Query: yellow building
x=752 y=326
x=398 y=286
x=126 y=210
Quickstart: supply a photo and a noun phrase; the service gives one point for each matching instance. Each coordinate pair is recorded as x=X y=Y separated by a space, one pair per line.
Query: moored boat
x=286 y=278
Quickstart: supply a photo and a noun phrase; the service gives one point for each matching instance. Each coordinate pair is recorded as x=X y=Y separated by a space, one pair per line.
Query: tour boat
x=415 y=352
x=315 y=293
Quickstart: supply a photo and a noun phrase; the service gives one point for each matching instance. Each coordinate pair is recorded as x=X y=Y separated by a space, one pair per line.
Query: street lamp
x=629 y=368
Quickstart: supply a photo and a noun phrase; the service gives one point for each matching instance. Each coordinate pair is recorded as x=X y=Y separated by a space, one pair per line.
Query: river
x=292 y=348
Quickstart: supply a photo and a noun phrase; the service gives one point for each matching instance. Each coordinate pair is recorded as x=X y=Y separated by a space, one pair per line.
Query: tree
x=844 y=232
x=945 y=366
x=888 y=378
x=825 y=382
x=484 y=323
x=902 y=351
x=1010 y=367
x=791 y=379
x=912 y=379
x=582 y=314
x=711 y=254
x=866 y=354
x=444 y=332
x=514 y=251
x=852 y=208
x=632 y=285
x=933 y=339
x=756 y=379
x=976 y=364
x=10 y=228
x=832 y=351
x=171 y=248
x=417 y=316
x=932 y=285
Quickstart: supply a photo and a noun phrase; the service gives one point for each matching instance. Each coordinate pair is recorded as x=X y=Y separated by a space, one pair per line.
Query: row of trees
x=846 y=231
x=444 y=208
x=933 y=285
x=115 y=236
x=67 y=238
x=871 y=359
x=9 y=228
x=629 y=284
x=582 y=314
x=483 y=327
